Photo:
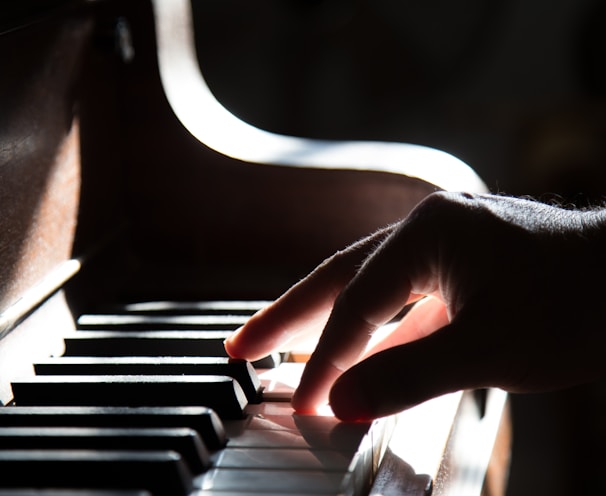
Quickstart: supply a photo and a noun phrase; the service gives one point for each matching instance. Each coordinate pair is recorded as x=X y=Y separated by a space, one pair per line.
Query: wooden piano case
x=107 y=195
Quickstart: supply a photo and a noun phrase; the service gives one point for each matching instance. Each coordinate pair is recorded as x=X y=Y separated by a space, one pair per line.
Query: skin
x=507 y=293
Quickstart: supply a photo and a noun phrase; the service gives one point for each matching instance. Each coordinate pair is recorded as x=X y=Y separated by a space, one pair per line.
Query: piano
x=141 y=222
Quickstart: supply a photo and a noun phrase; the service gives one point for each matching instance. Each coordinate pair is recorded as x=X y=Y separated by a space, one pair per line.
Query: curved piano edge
x=212 y=124
x=456 y=444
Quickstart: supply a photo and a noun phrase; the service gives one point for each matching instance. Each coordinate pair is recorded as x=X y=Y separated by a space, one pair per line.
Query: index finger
x=395 y=274
x=304 y=308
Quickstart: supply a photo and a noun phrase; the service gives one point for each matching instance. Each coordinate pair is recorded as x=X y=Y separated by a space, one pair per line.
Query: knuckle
x=443 y=207
x=352 y=309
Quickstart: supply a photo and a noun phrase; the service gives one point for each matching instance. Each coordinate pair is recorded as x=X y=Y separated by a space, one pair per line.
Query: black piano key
x=241 y=370
x=210 y=307
x=162 y=473
x=201 y=419
x=182 y=440
x=134 y=322
x=222 y=394
x=155 y=343
x=146 y=343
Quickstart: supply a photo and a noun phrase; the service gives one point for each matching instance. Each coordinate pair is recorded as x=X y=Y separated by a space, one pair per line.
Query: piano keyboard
x=143 y=401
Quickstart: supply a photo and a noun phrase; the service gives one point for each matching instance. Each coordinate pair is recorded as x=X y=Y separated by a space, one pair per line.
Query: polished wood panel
x=39 y=151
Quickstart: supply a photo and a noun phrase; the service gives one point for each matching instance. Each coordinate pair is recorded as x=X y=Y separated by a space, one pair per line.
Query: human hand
x=509 y=294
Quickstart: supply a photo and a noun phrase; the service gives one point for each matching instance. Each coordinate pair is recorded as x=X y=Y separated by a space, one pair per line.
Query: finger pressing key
x=304 y=309
x=375 y=295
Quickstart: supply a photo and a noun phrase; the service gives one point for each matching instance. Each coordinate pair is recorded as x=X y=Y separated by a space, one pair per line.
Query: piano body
x=129 y=195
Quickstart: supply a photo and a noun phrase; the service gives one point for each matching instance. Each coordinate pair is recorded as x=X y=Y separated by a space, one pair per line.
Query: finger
x=425 y=317
x=376 y=294
x=304 y=308
x=401 y=377
x=320 y=371
x=470 y=352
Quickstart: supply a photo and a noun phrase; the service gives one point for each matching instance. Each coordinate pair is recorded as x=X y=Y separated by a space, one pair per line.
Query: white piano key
x=320 y=440
x=284 y=471
x=279 y=383
x=277 y=481
x=282 y=458
x=280 y=415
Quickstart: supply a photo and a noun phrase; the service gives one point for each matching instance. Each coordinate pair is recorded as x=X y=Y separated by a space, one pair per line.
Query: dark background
x=516 y=88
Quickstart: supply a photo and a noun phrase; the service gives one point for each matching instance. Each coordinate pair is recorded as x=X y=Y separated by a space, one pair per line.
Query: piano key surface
x=222 y=394
x=265 y=449
x=184 y=441
x=203 y=420
x=162 y=342
x=270 y=452
x=146 y=343
x=163 y=473
x=241 y=370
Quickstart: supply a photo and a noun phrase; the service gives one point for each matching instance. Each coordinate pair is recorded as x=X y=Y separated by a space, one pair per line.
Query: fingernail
x=233 y=335
x=228 y=342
